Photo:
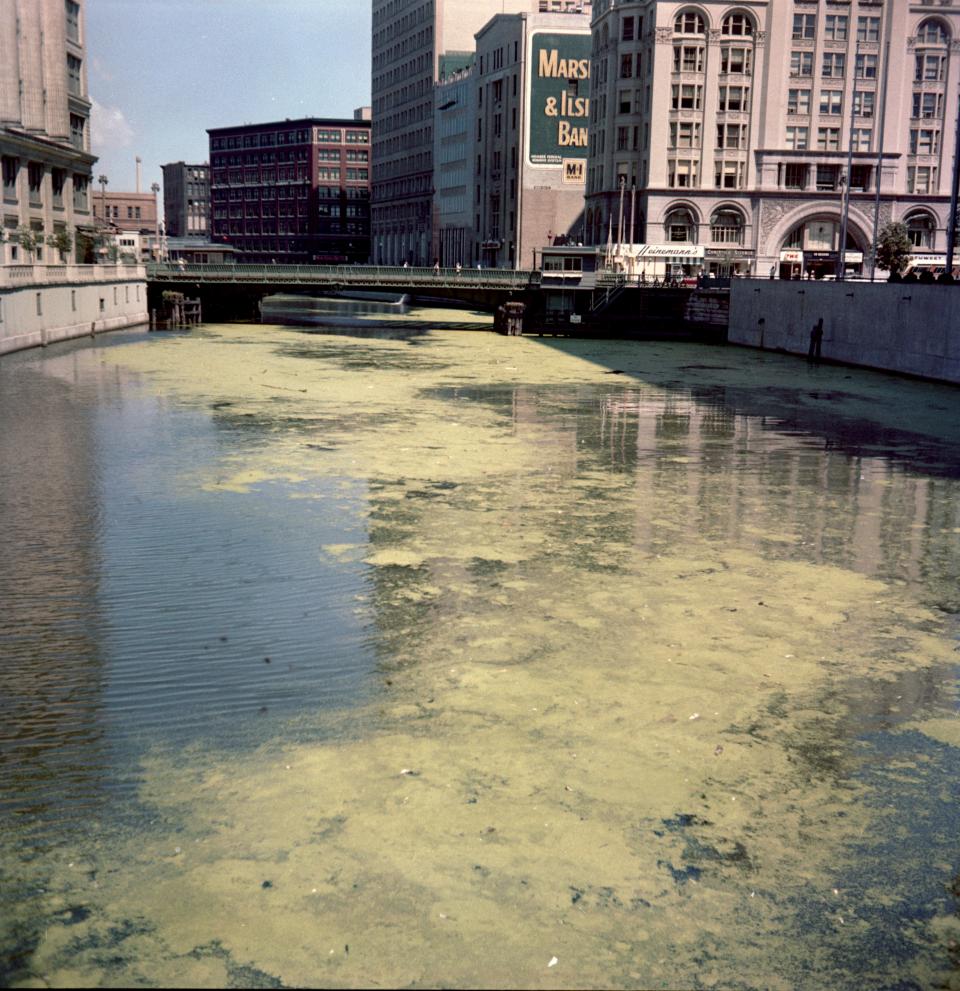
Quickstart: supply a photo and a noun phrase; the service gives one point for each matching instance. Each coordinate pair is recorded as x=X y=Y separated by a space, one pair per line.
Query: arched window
x=689 y=23
x=922 y=230
x=933 y=32
x=680 y=227
x=726 y=226
x=737 y=24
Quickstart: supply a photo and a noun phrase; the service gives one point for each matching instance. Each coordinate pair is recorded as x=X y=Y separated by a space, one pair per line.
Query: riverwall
x=911 y=329
x=41 y=304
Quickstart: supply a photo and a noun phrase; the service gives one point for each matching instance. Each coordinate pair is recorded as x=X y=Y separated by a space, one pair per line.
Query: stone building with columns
x=739 y=131
x=44 y=126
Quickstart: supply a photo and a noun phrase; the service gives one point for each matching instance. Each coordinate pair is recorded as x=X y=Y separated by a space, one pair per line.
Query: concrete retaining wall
x=40 y=314
x=912 y=329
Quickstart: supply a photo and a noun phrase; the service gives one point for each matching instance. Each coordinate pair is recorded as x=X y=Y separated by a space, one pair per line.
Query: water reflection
x=656 y=655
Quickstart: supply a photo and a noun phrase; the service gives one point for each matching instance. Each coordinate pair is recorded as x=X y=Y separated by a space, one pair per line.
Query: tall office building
x=294 y=190
x=44 y=122
x=530 y=142
x=736 y=134
x=415 y=44
x=186 y=200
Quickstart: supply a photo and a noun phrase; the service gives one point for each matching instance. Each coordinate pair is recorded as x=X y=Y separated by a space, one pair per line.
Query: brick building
x=295 y=191
x=186 y=200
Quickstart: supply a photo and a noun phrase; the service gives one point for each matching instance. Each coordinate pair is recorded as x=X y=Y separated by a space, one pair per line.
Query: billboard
x=559 y=101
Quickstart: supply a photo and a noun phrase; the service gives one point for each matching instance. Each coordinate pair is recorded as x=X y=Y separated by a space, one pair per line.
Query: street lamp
x=155 y=188
x=102 y=179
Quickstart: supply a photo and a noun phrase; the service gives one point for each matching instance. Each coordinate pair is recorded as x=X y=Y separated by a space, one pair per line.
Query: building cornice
x=64 y=154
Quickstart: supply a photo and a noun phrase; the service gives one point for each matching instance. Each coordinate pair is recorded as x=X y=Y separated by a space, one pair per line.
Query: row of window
x=36 y=171
x=687 y=134
x=835 y=27
x=684 y=173
x=689 y=96
x=270 y=139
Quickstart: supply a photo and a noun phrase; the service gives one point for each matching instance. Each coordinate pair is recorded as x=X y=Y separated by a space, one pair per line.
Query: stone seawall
x=912 y=329
x=42 y=313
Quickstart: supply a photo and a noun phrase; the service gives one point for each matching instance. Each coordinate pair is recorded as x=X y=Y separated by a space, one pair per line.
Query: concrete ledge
x=911 y=329
x=52 y=335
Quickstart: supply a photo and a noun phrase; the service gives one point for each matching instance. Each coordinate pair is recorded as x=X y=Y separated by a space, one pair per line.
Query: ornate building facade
x=745 y=133
x=44 y=127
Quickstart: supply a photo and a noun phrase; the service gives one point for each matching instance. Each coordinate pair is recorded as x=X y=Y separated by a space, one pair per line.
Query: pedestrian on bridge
x=436 y=266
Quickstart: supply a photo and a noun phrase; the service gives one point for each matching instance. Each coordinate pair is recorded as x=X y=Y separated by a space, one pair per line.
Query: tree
x=28 y=239
x=893 y=247
x=61 y=241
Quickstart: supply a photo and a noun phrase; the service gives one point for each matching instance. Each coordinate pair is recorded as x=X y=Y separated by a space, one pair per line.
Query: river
x=409 y=655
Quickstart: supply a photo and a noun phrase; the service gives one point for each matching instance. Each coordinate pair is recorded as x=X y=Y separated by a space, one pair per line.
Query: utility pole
x=954 y=196
x=623 y=185
x=879 y=176
x=842 y=262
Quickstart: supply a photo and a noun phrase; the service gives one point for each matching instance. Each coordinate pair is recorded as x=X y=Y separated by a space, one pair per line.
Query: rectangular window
x=798 y=101
x=626 y=66
x=731 y=135
x=11 y=169
x=866 y=66
x=827 y=177
x=868 y=29
x=834 y=65
x=861 y=138
x=804 y=26
x=683 y=173
x=685 y=134
x=930 y=68
x=921 y=179
x=864 y=103
x=797 y=138
x=58 y=178
x=74 y=75
x=35 y=173
x=860 y=177
x=687 y=97
x=734 y=99
x=627 y=34
x=736 y=60
x=73 y=20
x=687 y=58
x=78 y=128
x=828 y=139
x=801 y=63
x=729 y=175
x=928 y=106
x=924 y=141
x=835 y=27
x=831 y=101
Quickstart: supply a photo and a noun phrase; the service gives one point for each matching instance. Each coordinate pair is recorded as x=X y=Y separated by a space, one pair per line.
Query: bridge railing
x=344 y=275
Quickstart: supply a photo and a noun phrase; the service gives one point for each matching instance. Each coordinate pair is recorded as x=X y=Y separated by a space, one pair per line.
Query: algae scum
x=475 y=661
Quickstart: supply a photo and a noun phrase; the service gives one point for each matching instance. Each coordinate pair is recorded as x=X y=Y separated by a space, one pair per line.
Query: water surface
x=462 y=660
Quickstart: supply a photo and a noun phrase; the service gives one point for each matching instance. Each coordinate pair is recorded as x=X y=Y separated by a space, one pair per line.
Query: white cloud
x=109 y=129
x=100 y=70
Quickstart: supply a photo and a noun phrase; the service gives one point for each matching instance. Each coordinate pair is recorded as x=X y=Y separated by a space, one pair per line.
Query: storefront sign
x=853 y=257
x=559 y=101
x=666 y=250
x=792 y=256
x=928 y=259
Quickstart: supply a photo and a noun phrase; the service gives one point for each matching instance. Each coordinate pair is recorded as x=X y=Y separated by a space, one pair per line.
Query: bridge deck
x=360 y=276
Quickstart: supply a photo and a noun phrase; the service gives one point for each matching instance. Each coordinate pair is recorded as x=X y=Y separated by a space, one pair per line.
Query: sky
x=160 y=72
